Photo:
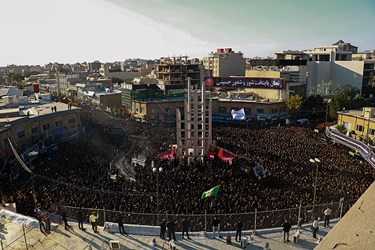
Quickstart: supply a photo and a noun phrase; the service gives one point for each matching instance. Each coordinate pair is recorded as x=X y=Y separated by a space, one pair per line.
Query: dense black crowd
x=77 y=173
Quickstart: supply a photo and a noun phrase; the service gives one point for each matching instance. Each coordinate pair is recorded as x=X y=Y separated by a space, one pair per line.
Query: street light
x=317 y=161
x=157 y=171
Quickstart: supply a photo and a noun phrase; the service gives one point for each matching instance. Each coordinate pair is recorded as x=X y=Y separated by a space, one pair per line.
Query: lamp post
x=157 y=171
x=316 y=161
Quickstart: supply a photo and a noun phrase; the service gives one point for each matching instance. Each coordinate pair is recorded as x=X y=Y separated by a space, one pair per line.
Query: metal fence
x=202 y=222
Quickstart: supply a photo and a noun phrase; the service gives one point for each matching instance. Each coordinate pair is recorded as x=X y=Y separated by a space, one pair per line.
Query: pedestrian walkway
x=12 y=236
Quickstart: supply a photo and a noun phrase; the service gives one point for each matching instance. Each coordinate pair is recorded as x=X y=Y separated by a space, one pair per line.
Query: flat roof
x=34 y=111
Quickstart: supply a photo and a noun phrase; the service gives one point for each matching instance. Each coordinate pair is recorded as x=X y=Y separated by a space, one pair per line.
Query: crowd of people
x=77 y=174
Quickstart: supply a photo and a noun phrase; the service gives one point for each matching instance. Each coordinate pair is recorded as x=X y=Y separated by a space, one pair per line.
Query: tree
x=346 y=97
x=295 y=103
x=313 y=102
x=15 y=77
x=341 y=129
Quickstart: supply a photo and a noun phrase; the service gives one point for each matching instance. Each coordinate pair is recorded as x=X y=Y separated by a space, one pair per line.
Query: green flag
x=278 y=125
x=211 y=193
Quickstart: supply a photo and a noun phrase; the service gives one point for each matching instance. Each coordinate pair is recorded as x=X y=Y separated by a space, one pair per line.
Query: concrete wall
x=111 y=100
x=339 y=72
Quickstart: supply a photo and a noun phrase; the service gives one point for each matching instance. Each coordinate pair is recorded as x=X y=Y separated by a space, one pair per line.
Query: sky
x=70 y=31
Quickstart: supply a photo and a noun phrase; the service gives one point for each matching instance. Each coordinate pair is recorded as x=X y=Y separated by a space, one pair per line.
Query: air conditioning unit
x=114 y=245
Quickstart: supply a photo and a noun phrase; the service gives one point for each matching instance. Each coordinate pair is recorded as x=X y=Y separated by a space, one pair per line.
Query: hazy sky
x=42 y=31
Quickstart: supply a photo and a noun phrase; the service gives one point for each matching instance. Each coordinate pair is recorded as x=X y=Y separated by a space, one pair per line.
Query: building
x=27 y=125
x=176 y=70
x=142 y=70
x=359 y=124
x=94 y=66
x=149 y=93
x=63 y=81
x=263 y=99
x=287 y=65
x=339 y=51
x=109 y=99
x=194 y=124
x=355 y=229
x=333 y=74
x=157 y=110
x=225 y=63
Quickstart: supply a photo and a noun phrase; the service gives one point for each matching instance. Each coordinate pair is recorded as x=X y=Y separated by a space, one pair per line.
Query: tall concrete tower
x=194 y=126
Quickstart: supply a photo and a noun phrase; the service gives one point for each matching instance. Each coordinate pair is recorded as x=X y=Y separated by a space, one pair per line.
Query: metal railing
x=202 y=222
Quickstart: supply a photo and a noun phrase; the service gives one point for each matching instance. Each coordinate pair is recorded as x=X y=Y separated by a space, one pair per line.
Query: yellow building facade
x=360 y=124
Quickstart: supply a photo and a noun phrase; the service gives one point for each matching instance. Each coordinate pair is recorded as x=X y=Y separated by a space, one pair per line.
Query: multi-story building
x=359 y=124
x=194 y=123
x=27 y=125
x=63 y=81
x=94 y=66
x=339 y=51
x=225 y=63
x=176 y=70
x=149 y=93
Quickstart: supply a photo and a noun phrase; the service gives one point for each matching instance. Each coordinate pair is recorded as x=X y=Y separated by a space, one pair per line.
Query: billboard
x=244 y=82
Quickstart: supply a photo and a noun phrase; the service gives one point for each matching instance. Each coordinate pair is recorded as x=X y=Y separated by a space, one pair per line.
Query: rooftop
x=34 y=111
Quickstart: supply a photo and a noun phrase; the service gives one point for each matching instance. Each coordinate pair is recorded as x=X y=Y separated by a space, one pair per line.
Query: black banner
x=244 y=82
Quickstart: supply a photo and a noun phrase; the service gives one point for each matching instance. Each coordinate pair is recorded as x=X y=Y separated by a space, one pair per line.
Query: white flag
x=239 y=114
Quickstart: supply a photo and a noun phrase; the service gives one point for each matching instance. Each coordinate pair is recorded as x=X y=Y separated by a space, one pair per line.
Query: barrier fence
x=202 y=222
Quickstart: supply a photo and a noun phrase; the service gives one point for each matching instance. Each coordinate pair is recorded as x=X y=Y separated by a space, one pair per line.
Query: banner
x=238 y=115
x=222 y=153
x=168 y=155
x=245 y=82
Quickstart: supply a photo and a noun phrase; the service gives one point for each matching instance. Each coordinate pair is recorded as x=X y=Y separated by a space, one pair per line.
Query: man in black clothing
x=185 y=228
x=171 y=230
x=120 y=222
x=238 y=230
x=216 y=227
x=286 y=228
x=163 y=228
x=65 y=219
x=42 y=226
x=80 y=218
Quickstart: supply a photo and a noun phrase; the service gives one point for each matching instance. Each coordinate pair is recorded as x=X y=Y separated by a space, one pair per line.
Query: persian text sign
x=245 y=82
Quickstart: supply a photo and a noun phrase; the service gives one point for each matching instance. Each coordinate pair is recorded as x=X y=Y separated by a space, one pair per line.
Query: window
x=35 y=131
x=247 y=110
x=141 y=109
x=167 y=110
x=46 y=126
x=71 y=121
x=58 y=124
x=21 y=134
x=261 y=111
x=372 y=131
x=235 y=108
x=222 y=109
x=360 y=128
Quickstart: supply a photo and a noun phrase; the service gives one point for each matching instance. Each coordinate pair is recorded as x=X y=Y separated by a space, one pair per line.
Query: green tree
x=313 y=102
x=294 y=104
x=346 y=97
x=341 y=129
x=15 y=77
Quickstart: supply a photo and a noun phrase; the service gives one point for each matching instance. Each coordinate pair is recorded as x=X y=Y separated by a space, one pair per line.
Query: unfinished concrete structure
x=194 y=125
